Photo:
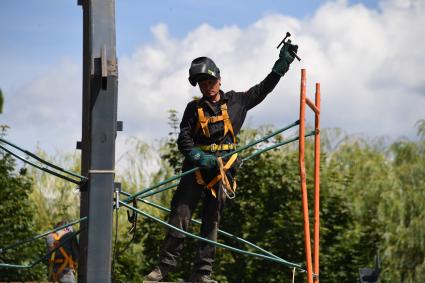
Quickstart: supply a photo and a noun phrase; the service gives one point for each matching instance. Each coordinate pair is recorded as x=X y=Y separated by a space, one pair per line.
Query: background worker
x=208 y=130
x=63 y=261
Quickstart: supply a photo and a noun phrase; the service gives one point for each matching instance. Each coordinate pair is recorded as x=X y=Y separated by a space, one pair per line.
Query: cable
x=281 y=261
x=175 y=177
x=19 y=243
x=17 y=266
x=43 y=168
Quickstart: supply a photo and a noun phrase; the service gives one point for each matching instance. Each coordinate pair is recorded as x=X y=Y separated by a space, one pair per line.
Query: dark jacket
x=238 y=104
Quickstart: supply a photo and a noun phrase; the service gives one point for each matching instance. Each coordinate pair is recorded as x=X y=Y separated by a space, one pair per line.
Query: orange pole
x=303 y=178
x=312 y=106
x=317 y=184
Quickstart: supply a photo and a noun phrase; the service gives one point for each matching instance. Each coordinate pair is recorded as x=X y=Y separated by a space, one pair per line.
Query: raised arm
x=257 y=93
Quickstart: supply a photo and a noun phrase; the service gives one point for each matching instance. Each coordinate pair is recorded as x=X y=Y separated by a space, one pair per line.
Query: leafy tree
x=18 y=223
x=402 y=212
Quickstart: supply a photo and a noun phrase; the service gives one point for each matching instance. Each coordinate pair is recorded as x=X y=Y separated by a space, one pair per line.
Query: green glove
x=200 y=159
x=285 y=58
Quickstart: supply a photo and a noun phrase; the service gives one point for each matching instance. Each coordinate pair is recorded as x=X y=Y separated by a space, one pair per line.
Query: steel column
x=98 y=138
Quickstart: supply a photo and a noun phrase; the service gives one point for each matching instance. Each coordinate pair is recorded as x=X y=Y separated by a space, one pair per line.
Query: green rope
x=43 y=168
x=199 y=223
x=130 y=198
x=14 y=245
x=40 y=259
x=243 y=160
x=277 y=260
x=312 y=133
x=39 y=159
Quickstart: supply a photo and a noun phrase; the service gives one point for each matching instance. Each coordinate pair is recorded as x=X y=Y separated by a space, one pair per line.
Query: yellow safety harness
x=66 y=261
x=229 y=189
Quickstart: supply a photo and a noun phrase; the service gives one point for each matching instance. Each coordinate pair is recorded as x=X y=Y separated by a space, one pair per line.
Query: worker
x=63 y=260
x=208 y=130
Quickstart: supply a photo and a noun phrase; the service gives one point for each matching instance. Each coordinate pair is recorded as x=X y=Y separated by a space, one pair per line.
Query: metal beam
x=98 y=138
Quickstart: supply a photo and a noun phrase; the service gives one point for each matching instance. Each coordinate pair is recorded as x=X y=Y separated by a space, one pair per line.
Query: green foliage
x=18 y=223
x=55 y=199
x=403 y=213
x=372 y=200
x=171 y=153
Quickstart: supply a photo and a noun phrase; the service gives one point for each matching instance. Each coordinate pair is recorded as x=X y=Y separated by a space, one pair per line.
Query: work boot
x=157 y=274
x=201 y=278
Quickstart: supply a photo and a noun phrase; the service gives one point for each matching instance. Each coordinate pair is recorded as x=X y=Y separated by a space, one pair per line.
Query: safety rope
x=43 y=168
x=190 y=171
x=42 y=258
x=144 y=194
x=19 y=243
x=176 y=177
x=198 y=222
x=270 y=258
x=42 y=160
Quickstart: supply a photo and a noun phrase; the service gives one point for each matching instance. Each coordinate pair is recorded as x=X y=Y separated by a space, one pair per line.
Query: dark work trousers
x=183 y=204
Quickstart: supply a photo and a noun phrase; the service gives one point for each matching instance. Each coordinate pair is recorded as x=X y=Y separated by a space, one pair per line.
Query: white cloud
x=369 y=63
x=47 y=110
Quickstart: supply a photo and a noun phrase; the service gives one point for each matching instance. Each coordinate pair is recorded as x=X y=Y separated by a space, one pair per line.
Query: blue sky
x=371 y=83
x=36 y=33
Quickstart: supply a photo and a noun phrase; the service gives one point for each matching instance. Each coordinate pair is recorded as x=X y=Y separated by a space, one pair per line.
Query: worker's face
x=210 y=88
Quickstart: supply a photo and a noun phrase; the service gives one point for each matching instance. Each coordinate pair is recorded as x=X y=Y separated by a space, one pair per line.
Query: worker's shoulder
x=193 y=103
x=232 y=95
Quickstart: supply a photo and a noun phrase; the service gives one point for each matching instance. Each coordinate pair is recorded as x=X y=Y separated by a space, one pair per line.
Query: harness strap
x=226 y=121
x=67 y=260
x=216 y=147
x=204 y=121
x=221 y=176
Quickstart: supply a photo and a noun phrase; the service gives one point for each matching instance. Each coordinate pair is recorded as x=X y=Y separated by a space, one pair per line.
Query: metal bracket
x=103 y=68
x=117 y=191
x=120 y=126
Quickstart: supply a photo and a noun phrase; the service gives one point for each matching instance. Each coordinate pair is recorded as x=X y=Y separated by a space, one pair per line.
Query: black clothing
x=238 y=104
x=188 y=192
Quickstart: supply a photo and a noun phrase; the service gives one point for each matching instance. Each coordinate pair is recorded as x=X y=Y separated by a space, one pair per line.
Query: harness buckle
x=214 y=147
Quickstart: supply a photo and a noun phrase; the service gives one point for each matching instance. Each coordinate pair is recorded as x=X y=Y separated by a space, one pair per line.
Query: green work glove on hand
x=201 y=159
x=285 y=58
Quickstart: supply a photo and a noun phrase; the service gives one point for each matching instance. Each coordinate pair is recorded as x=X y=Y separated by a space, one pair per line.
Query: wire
x=19 y=243
x=130 y=198
x=17 y=266
x=43 y=168
x=281 y=261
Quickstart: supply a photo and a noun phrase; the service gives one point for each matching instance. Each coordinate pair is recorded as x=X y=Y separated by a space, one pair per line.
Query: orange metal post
x=312 y=106
x=317 y=183
x=303 y=178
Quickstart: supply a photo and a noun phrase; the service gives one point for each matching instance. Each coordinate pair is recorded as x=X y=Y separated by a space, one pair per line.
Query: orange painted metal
x=312 y=106
x=317 y=183
x=303 y=178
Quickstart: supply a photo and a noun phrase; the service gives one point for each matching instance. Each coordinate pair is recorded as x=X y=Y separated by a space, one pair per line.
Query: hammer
x=288 y=42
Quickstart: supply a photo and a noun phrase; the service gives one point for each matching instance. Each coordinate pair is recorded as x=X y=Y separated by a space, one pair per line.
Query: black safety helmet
x=203 y=68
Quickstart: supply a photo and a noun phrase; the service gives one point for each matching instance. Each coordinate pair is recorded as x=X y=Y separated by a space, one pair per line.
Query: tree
x=18 y=223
